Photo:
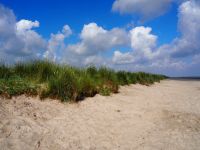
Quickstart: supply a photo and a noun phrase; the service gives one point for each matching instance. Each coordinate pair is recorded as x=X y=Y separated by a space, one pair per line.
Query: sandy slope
x=163 y=116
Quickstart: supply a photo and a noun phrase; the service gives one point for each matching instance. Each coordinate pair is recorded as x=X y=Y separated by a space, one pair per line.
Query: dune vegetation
x=64 y=82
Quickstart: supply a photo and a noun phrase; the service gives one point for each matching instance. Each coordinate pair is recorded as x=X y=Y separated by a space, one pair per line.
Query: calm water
x=185 y=78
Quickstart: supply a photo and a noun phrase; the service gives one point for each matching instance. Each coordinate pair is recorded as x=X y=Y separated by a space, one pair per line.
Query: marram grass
x=66 y=83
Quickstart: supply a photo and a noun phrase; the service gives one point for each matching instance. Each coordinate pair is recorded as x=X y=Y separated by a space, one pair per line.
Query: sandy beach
x=163 y=116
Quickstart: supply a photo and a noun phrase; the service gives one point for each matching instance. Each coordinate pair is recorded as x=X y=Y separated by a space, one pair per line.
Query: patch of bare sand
x=163 y=116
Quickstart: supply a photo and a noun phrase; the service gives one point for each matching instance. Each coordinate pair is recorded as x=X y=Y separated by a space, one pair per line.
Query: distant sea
x=185 y=78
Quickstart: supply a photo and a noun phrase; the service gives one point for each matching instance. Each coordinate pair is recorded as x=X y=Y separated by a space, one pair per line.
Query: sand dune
x=165 y=116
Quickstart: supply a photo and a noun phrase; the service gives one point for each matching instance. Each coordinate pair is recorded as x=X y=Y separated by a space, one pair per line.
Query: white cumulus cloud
x=95 y=39
x=18 y=41
x=142 y=41
x=147 y=9
x=56 y=44
x=189 y=26
x=26 y=24
x=123 y=58
x=179 y=55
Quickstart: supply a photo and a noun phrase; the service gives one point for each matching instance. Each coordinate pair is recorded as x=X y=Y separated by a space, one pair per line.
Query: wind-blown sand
x=164 y=116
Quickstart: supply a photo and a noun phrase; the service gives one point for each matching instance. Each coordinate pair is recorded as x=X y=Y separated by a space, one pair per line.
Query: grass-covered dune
x=66 y=83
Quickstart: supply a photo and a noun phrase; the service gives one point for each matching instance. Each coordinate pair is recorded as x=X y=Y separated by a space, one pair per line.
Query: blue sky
x=132 y=35
x=68 y=12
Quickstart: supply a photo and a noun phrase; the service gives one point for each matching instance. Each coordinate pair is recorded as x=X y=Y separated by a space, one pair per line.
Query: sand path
x=163 y=116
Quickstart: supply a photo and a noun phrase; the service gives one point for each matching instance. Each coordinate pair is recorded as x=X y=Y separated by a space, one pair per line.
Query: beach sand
x=164 y=116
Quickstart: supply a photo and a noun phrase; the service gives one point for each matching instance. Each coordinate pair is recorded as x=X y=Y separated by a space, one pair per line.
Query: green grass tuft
x=66 y=83
x=17 y=86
